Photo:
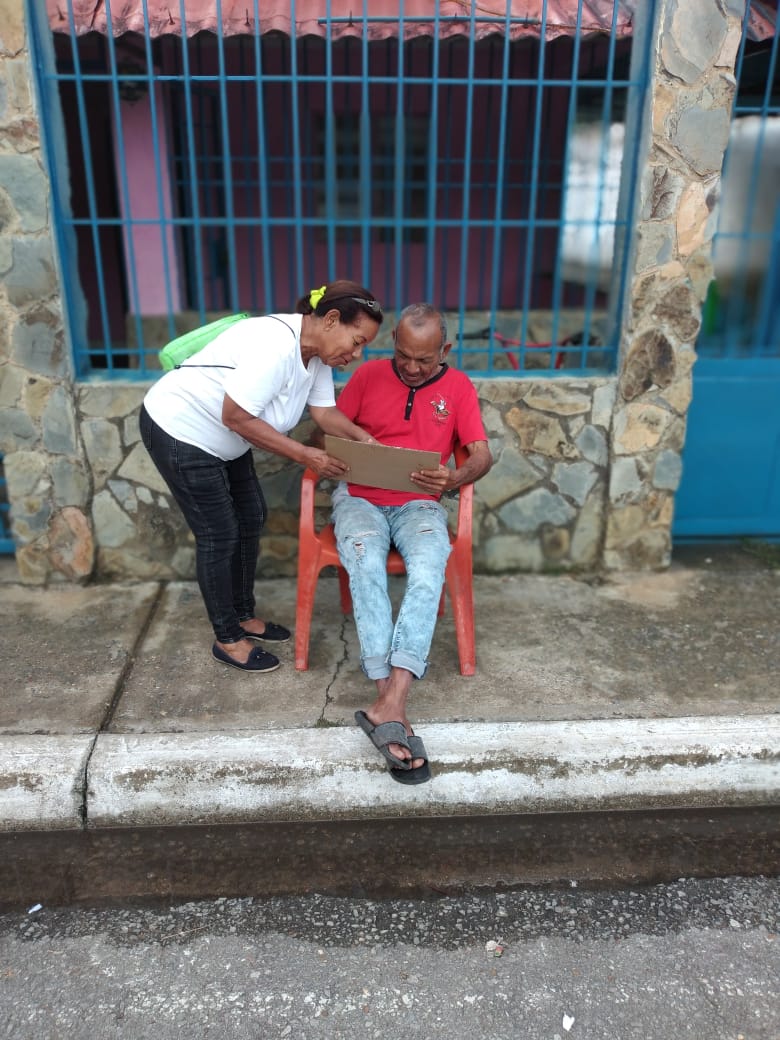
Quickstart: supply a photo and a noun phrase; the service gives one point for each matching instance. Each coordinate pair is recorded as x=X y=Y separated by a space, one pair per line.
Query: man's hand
x=438 y=481
x=325 y=465
x=433 y=481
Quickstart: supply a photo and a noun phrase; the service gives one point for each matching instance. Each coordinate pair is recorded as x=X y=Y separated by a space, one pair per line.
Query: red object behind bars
x=504 y=341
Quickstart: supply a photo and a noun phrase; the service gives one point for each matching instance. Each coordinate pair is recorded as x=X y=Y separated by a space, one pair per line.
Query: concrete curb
x=315 y=775
x=42 y=781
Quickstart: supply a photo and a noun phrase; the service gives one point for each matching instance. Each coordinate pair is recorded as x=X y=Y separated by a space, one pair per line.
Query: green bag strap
x=189 y=343
x=292 y=330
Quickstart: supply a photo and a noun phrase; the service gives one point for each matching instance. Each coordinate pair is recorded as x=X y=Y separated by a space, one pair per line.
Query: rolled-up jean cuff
x=376 y=666
x=401 y=659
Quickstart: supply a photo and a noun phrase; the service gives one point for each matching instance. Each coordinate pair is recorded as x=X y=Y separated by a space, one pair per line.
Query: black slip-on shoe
x=258 y=660
x=273 y=633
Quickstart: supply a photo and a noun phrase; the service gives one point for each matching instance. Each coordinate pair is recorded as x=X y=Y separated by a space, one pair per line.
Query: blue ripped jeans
x=364 y=534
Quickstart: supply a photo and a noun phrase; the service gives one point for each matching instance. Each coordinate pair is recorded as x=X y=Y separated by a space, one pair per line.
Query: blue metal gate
x=731 y=473
x=429 y=157
x=6 y=540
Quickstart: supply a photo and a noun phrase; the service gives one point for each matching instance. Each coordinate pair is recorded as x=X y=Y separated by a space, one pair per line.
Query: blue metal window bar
x=272 y=164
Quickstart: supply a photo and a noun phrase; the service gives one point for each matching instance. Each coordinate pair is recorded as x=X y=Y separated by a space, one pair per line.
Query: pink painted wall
x=144 y=196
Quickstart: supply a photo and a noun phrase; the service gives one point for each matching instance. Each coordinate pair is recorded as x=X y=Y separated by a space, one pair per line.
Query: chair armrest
x=465 y=507
x=463 y=526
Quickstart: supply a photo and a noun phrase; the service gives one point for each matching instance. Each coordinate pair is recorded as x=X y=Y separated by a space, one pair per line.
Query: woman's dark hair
x=348 y=298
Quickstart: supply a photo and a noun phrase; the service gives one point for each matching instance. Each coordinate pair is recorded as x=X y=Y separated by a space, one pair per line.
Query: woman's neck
x=308 y=348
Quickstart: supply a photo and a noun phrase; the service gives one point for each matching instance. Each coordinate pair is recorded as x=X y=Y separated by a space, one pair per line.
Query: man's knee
x=428 y=550
x=364 y=546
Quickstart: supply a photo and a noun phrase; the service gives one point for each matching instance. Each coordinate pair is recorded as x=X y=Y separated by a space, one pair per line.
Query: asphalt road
x=696 y=958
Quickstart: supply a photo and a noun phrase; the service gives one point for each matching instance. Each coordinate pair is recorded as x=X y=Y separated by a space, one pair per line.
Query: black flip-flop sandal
x=384 y=734
x=419 y=774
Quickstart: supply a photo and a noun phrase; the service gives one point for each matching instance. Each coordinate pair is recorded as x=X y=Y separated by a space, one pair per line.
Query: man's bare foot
x=390 y=706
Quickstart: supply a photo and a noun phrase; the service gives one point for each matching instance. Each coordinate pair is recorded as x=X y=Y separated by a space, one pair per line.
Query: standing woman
x=245 y=389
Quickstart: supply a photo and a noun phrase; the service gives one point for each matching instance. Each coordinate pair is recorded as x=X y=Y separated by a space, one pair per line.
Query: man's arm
x=437 y=481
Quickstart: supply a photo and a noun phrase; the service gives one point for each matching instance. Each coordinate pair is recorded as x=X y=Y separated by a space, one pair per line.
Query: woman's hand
x=325 y=465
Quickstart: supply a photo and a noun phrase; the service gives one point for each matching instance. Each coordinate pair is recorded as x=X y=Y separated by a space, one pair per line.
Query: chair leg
x=308 y=573
x=461 y=591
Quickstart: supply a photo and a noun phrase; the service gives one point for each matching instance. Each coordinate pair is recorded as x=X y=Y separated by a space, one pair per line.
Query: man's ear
x=445 y=350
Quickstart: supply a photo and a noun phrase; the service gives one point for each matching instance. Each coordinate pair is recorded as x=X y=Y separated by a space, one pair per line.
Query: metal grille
x=215 y=173
x=742 y=312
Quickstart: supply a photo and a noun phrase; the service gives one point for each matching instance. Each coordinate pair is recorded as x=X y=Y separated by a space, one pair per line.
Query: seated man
x=414 y=400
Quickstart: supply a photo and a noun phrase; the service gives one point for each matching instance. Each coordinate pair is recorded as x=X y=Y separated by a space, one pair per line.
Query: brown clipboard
x=381 y=465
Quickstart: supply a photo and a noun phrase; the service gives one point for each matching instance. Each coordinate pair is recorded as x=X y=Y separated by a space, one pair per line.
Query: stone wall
x=541 y=507
x=688 y=119
x=586 y=469
x=48 y=478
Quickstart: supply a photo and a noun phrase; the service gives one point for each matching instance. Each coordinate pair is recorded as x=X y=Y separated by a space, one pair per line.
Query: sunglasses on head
x=372 y=305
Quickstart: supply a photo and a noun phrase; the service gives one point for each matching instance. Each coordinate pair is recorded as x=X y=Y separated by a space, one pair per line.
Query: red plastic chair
x=317 y=549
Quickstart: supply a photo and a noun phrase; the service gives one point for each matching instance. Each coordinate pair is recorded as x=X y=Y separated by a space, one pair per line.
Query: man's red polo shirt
x=432 y=416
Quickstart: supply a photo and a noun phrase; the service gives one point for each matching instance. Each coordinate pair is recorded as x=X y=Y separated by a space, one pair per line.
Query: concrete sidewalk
x=634 y=692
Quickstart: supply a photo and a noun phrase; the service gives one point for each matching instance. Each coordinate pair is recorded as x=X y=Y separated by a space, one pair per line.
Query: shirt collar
x=433 y=379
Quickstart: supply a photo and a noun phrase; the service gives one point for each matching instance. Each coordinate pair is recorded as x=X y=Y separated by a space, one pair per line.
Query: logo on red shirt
x=440 y=411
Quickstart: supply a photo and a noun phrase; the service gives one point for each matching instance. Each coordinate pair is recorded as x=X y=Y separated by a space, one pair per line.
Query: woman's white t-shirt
x=263 y=373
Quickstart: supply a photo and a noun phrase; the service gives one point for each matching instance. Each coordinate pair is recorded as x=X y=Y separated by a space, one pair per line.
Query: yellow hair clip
x=316 y=295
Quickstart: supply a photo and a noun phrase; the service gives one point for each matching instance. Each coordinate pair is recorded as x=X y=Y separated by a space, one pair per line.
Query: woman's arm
x=333 y=421
x=262 y=435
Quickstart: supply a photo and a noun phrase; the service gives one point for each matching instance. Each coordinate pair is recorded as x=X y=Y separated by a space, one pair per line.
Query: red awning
x=377 y=19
